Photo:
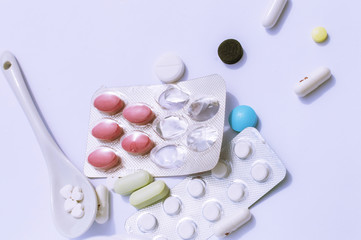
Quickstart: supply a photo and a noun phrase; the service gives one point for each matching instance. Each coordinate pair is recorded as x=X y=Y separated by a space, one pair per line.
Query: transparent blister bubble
x=171 y=127
x=202 y=138
x=203 y=109
x=169 y=156
x=173 y=98
x=209 y=198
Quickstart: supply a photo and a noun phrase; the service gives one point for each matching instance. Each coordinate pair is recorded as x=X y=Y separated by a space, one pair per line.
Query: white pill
x=186 y=229
x=69 y=204
x=66 y=191
x=273 y=12
x=103 y=204
x=77 y=189
x=110 y=182
x=77 y=196
x=230 y=224
x=147 y=222
x=196 y=188
x=78 y=211
x=313 y=81
x=220 y=170
x=235 y=192
x=260 y=171
x=242 y=149
x=160 y=238
x=211 y=211
x=169 y=68
x=171 y=205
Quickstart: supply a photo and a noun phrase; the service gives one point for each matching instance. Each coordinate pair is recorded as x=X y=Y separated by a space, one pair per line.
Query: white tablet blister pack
x=247 y=170
x=167 y=130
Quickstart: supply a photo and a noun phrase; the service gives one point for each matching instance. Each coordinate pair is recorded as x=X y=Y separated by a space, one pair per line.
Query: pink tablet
x=139 y=114
x=108 y=103
x=103 y=158
x=107 y=130
x=137 y=143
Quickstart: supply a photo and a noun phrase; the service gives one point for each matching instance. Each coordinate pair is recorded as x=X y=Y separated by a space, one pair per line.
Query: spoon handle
x=15 y=78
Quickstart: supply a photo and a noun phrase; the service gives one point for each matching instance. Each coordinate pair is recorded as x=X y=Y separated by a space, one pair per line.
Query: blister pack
x=248 y=168
x=168 y=130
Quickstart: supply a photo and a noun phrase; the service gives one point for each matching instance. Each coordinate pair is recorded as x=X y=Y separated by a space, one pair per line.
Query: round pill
x=220 y=170
x=171 y=206
x=139 y=114
x=108 y=103
x=319 y=34
x=242 y=149
x=169 y=68
x=137 y=143
x=230 y=51
x=242 y=117
x=195 y=188
x=211 y=211
x=260 y=172
x=103 y=158
x=147 y=222
x=235 y=192
x=107 y=130
x=186 y=229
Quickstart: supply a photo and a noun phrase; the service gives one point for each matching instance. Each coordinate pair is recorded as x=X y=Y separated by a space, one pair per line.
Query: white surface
x=68 y=49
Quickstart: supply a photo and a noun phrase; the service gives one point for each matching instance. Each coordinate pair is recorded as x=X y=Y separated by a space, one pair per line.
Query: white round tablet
x=242 y=149
x=235 y=192
x=211 y=211
x=147 y=222
x=260 y=171
x=196 y=188
x=186 y=229
x=169 y=68
x=220 y=170
x=171 y=205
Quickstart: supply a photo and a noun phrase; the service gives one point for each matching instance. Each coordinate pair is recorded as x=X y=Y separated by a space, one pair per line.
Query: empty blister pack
x=247 y=170
x=168 y=130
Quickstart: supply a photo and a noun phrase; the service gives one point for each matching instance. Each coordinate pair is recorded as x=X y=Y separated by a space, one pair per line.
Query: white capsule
x=230 y=224
x=103 y=204
x=313 y=81
x=273 y=13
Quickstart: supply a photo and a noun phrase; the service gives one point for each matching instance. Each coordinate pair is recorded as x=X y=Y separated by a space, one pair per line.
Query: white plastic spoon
x=61 y=171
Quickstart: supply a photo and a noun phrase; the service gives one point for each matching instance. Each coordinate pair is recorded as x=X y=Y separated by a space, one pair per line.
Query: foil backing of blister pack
x=195 y=162
x=216 y=190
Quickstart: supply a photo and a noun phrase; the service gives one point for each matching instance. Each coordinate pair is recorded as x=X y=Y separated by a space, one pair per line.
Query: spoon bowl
x=61 y=170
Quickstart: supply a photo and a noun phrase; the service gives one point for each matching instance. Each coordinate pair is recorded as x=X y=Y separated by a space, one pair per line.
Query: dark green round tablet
x=230 y=51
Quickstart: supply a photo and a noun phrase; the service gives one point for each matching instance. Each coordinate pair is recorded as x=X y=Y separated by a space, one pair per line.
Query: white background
x=68 y=49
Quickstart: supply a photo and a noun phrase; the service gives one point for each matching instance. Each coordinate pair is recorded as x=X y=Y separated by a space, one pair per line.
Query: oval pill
x=313 y=81
x=137 y=143
x=149 y=194
x=108 y=103
x=171 y=205
x=319 y=34
x=273 y=13
x=232 y=223
x=138 y=114
x=103 y=204
x=107 y=130
x=147 y=222
x=186 y=229
x=130 y=183
x=196 y=188
x=103 y=158
x=169 y=68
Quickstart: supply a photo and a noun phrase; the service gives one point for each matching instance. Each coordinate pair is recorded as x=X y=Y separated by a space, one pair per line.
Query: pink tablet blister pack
x=167 y=130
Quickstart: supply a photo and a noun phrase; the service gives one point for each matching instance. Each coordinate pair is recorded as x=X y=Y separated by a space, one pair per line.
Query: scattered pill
x=186 y=229
x=108 y=103
x=107 y=130
x=147 y=222
x=232 y=223
x=319 y=34
x=273 y=12
x=196 y=188
x=313 y=81
x=220 y=170
x=260 y=171
x=103 y=158
x=169 y=68
x=242 y=117
x=69 y=204
x=171 y=205
x=211 y=211
x=130 y=183
x=103 y=204
x=230 y=51
x=139 y=114
x=137 y=143
x=242 y=149
x=110 y=182
x=149 y=194
x=66 y=191
x=235 y=192
x=77 y=195
x=78 y=210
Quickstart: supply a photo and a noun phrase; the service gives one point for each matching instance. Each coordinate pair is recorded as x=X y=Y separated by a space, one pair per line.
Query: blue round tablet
x=242 y=117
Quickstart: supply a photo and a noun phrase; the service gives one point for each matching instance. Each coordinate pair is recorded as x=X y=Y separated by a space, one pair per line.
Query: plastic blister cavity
x=167 y=130
x=200 y=203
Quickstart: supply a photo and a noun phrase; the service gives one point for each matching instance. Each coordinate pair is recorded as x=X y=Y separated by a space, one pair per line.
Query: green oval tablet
x=148 y=195
x=128 y=184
